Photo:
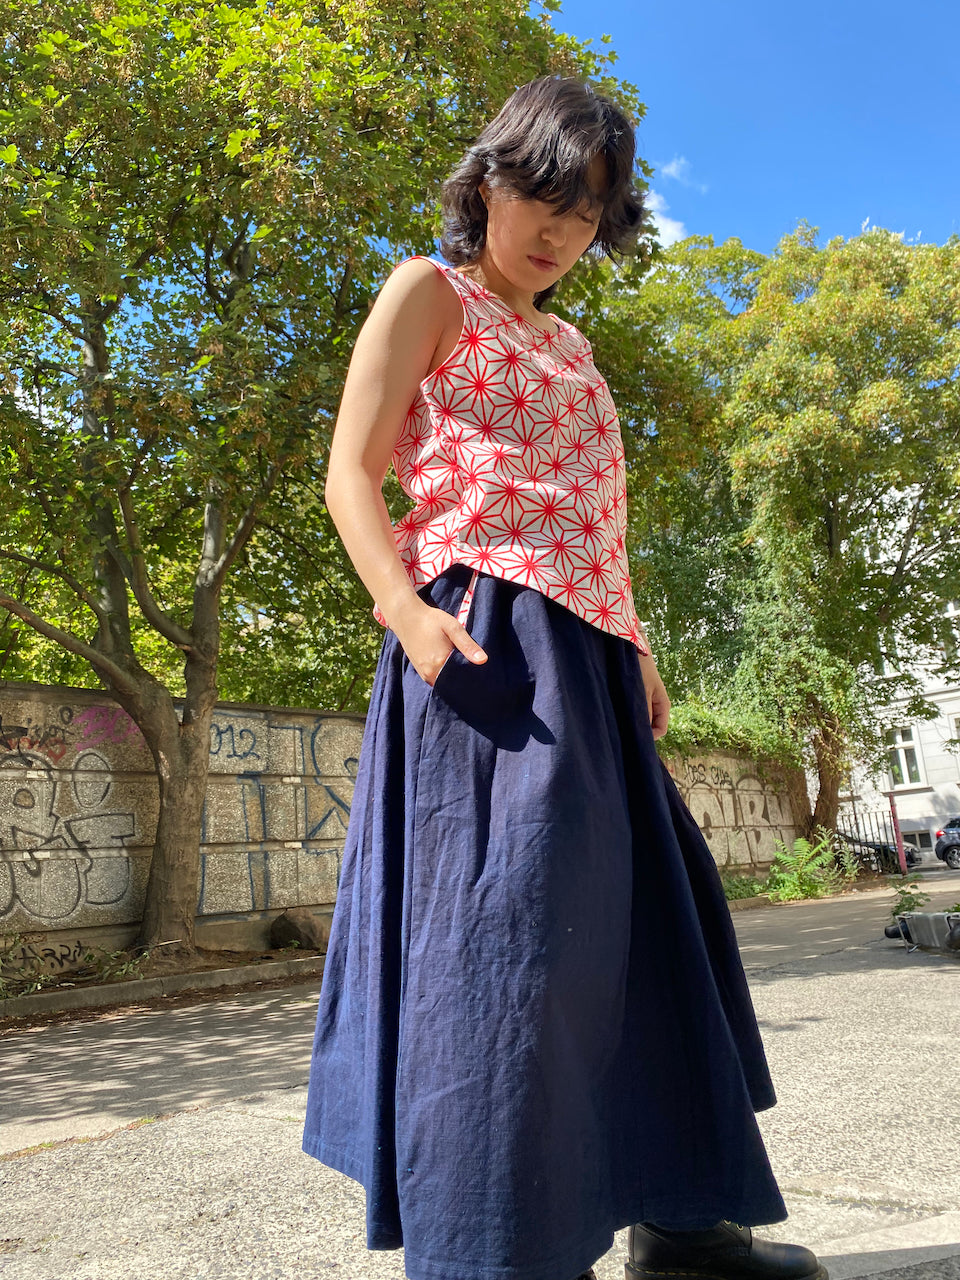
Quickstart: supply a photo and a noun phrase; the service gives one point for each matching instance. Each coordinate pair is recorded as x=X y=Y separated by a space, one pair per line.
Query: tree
x=664 y=343
x=198 y=203
x=794 y=437
x=844 y=447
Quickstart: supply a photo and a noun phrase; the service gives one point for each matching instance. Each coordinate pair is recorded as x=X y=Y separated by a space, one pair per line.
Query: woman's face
x=530 y=243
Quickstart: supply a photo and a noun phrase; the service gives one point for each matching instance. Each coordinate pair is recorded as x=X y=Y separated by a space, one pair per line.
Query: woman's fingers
x=431 y=637
x=658 y=703
x=461 y=639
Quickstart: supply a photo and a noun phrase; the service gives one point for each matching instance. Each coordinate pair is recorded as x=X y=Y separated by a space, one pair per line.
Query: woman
x=534 y=1026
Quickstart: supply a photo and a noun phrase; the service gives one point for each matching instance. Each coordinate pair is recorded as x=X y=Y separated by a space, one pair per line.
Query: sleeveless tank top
x=512 y=454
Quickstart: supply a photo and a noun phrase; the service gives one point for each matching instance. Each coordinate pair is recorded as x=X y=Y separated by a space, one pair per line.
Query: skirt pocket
x=495 y=697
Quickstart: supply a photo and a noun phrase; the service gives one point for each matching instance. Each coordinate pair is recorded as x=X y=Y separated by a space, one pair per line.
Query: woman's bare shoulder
x=420 y=280
x=418 y=305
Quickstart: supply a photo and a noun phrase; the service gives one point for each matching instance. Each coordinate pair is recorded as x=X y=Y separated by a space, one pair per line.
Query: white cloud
x=669 y=229
x=680 y=170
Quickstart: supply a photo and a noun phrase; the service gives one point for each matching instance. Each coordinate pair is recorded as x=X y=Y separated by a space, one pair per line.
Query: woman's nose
x=555 y=233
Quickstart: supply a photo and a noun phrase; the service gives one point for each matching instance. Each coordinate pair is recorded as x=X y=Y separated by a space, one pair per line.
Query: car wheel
x=952 y=858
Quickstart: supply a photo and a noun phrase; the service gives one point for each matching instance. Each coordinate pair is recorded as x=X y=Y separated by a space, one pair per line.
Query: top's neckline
x=561 y=324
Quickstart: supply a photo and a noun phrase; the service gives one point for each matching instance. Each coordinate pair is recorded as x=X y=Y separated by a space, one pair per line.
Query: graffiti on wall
x=78 y=808
x=740 y=816
x=51 y=959
x=78 y=803
x=54 y=819
x=69 y=729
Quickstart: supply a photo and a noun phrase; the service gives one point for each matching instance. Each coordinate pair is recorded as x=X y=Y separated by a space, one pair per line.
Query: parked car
x=879 y=855
x=948 y=844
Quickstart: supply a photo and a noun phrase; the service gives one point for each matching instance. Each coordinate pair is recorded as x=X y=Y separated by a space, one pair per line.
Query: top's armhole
x=463 y=323
x=584 y=339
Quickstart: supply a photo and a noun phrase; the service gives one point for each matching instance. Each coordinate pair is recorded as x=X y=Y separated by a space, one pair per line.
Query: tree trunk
x=180 y=746
x=181 y=750
x=829 y=747
x=796 y=786
x=182 y=754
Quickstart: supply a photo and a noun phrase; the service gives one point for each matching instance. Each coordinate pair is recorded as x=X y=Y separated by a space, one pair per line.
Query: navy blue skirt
x=534 y=1025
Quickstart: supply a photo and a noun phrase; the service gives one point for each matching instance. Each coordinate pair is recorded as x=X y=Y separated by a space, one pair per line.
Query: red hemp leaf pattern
x=512 y=454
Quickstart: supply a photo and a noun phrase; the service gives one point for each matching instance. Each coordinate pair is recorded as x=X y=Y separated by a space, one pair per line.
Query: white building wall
x=923 y=805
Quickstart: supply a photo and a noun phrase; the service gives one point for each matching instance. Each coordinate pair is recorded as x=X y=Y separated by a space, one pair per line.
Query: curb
x=149 y=988
x=910 y=1245
x=762 y=900
x=748 y=904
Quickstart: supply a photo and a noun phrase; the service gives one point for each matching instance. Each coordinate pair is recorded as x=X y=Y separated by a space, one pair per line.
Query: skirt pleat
x=534 y=1026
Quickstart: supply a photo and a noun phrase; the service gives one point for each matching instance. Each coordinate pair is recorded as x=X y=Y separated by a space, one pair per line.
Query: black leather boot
x=724 y=1252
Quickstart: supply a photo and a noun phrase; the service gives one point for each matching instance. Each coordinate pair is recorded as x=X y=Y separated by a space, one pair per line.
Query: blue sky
x=760 y=114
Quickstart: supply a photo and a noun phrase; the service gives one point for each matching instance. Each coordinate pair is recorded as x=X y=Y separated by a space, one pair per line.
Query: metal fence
x=869 y=835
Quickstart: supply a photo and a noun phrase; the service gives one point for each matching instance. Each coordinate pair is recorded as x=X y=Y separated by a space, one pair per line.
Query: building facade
x=922 y=771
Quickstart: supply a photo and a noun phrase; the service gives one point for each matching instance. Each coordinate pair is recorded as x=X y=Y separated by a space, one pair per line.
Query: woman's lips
x=545 y=264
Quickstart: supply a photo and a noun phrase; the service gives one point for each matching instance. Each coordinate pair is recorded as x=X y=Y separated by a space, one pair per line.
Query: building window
x=919 y=839
x=902 y=752
x=952 y=745
x=951 y=634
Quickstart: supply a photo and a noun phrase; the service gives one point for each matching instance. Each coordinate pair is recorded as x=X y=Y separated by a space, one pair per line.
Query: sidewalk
x=861 y=1035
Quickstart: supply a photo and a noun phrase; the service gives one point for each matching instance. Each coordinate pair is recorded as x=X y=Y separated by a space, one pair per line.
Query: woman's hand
x=658 y=704
x=429 y=635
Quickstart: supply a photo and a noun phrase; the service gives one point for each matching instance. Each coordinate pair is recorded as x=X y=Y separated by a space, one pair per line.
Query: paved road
x=78 y=1078
x=795 y=931
x=862 y=1040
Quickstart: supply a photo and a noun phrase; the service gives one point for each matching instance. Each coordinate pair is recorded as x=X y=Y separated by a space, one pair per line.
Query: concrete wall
x=741 y=807
x=78 y=813
x=78 y=810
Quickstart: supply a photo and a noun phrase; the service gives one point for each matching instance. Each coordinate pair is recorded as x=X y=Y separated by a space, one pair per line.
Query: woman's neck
x=484 y=272
x=521 y=303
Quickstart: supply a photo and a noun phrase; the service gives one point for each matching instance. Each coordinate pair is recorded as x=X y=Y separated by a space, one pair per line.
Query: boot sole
x=643 y=1273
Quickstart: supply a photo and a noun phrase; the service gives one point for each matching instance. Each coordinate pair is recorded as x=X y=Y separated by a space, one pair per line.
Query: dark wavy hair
x=540 y=145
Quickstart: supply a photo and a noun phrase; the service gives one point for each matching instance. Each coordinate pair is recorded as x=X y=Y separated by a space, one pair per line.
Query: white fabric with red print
x=512 y=454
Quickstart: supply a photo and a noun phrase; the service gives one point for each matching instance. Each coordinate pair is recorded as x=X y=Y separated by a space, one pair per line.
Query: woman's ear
x=484 y=191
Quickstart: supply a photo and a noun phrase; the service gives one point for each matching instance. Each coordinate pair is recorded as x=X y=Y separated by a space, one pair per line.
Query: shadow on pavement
x=66 y=1079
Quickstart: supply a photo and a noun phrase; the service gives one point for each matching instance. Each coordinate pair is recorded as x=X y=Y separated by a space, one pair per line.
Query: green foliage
x=199 y=203
x=906 y=896
x=793 y=480
x=23 y=972
x=740 y=886
x=844 y=447
x=847 y=863
x=696 y=729
x=806 y=870
x=659 y=345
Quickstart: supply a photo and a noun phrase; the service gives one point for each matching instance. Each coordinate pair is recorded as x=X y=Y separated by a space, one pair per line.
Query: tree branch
x=52 y=366
x=73 y=583
x=212 y=290
x=339 y=302
x=146 y=448
x=49 y=312
x=883 y=613
x=136 y=573
x=113 y=673
x=285 y=536
x=246 y=526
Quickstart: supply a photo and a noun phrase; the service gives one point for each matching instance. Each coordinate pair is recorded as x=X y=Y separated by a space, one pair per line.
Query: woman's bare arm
x=415 y=314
